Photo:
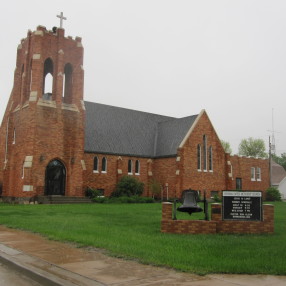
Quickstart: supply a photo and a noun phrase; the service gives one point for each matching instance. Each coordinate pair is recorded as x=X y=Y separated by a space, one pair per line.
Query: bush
x=127 y=187
x=216 y=198
x=92 y=193
x=122 y=200
x=273 y=194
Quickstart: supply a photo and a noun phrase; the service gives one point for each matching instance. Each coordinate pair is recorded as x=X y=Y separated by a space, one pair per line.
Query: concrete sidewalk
x=54 y=263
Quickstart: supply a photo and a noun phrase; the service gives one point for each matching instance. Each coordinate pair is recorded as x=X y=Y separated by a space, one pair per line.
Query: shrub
x=122 y=200
x=127 y=187
x=216 y=198
x=273 y=194
x=92 y=193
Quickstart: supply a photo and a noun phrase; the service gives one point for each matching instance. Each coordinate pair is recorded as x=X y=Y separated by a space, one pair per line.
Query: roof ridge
x=134 y=110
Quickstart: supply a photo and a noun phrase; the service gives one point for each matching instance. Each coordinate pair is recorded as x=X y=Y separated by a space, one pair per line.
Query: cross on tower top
x=61 y=16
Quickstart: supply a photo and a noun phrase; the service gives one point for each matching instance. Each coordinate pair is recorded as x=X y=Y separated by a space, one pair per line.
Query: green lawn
x=133 y=231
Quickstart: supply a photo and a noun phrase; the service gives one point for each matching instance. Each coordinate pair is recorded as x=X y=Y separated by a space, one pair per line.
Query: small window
x=238 y=183
x=23 y=170
x=205 y=152
x=210 y=158
x=104 y=165
x=14 y=136
x=67 y=83
x=199 y=162
x=130 y=167
x=137 y=167
x=252 y=174
x=95 y=164
x=258 y=174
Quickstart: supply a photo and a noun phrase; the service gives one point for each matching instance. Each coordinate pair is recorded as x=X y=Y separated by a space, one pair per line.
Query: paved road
x=10 y=277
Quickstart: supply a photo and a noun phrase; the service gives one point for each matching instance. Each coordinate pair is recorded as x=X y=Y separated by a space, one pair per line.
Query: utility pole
x=270 y=163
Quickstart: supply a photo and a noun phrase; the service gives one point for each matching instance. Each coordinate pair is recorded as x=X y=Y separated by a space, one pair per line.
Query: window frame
x=253 y=173
x=205 y=153
x=104 y=165
x=130 y=167
x=210 y=155
x=258 y=174
x=199 y=158
x=238 y=183
x=137 y=167
x=14 y=136
x=95 y=163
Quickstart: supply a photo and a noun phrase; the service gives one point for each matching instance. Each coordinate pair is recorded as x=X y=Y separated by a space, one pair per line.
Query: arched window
x=67 y=84
x=130 y=167
x=137 y=167
x=14 y=136
x=22 y=83
x=95 y=164
x=31 y=75
x=210 y=158
x=104 y=165
x=205 y=152
x=199 y=159
x=48 y=79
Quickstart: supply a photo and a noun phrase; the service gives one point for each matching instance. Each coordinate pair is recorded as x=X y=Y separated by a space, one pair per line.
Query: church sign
x=245 y=205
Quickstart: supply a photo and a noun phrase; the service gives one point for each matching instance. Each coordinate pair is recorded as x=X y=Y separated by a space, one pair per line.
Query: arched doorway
x=55 y=178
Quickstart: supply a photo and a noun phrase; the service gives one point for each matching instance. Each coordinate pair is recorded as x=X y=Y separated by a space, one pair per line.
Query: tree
x=155 y=188
x=252 y=147
x=280 y=160
x=226 y=146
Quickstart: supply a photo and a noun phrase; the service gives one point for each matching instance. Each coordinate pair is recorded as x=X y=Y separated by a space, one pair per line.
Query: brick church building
x=58 y=144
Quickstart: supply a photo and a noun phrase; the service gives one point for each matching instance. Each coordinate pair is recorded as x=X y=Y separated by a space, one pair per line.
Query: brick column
x=216 y=212
x=268 y=218
x=167 y=211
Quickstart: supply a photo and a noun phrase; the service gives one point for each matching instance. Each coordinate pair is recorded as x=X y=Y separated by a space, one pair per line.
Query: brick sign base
x=216 y=224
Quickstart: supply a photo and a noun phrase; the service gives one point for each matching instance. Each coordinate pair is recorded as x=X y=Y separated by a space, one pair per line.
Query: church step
x=62 y=200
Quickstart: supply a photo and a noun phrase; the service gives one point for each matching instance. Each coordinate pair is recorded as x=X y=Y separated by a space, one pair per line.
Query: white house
x=282 y=188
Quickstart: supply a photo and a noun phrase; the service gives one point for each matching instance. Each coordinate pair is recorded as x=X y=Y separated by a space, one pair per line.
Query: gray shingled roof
x=278 y=173
x=121 y=131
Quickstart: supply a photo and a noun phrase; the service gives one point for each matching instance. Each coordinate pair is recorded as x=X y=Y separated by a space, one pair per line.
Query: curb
x=57 y=276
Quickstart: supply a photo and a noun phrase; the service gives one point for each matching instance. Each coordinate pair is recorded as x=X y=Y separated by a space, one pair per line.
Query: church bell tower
x=42 y=133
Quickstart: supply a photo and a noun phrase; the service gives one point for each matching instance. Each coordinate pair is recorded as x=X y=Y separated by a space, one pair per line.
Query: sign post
x=245 y=205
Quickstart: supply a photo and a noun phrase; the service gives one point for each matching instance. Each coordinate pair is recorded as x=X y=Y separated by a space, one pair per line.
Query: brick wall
x=211 y=178
x=165 y=172
x=168 y=225
x=240 y=167
x=117 y=166
x=216 y=224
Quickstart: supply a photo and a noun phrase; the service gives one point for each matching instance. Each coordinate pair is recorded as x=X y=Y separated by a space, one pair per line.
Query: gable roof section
x=121 y=131
x=171 y=133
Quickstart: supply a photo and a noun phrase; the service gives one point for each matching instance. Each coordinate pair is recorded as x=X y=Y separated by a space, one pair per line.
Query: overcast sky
x=171 y=57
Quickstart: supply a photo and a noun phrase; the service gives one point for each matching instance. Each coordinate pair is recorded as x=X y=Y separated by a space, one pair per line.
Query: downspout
x=6 y=144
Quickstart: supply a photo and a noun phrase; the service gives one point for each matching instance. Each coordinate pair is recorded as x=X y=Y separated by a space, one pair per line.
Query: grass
x=132 y=231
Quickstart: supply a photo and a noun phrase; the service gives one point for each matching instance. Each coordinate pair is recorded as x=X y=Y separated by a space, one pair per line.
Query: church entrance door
x=55 y=178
